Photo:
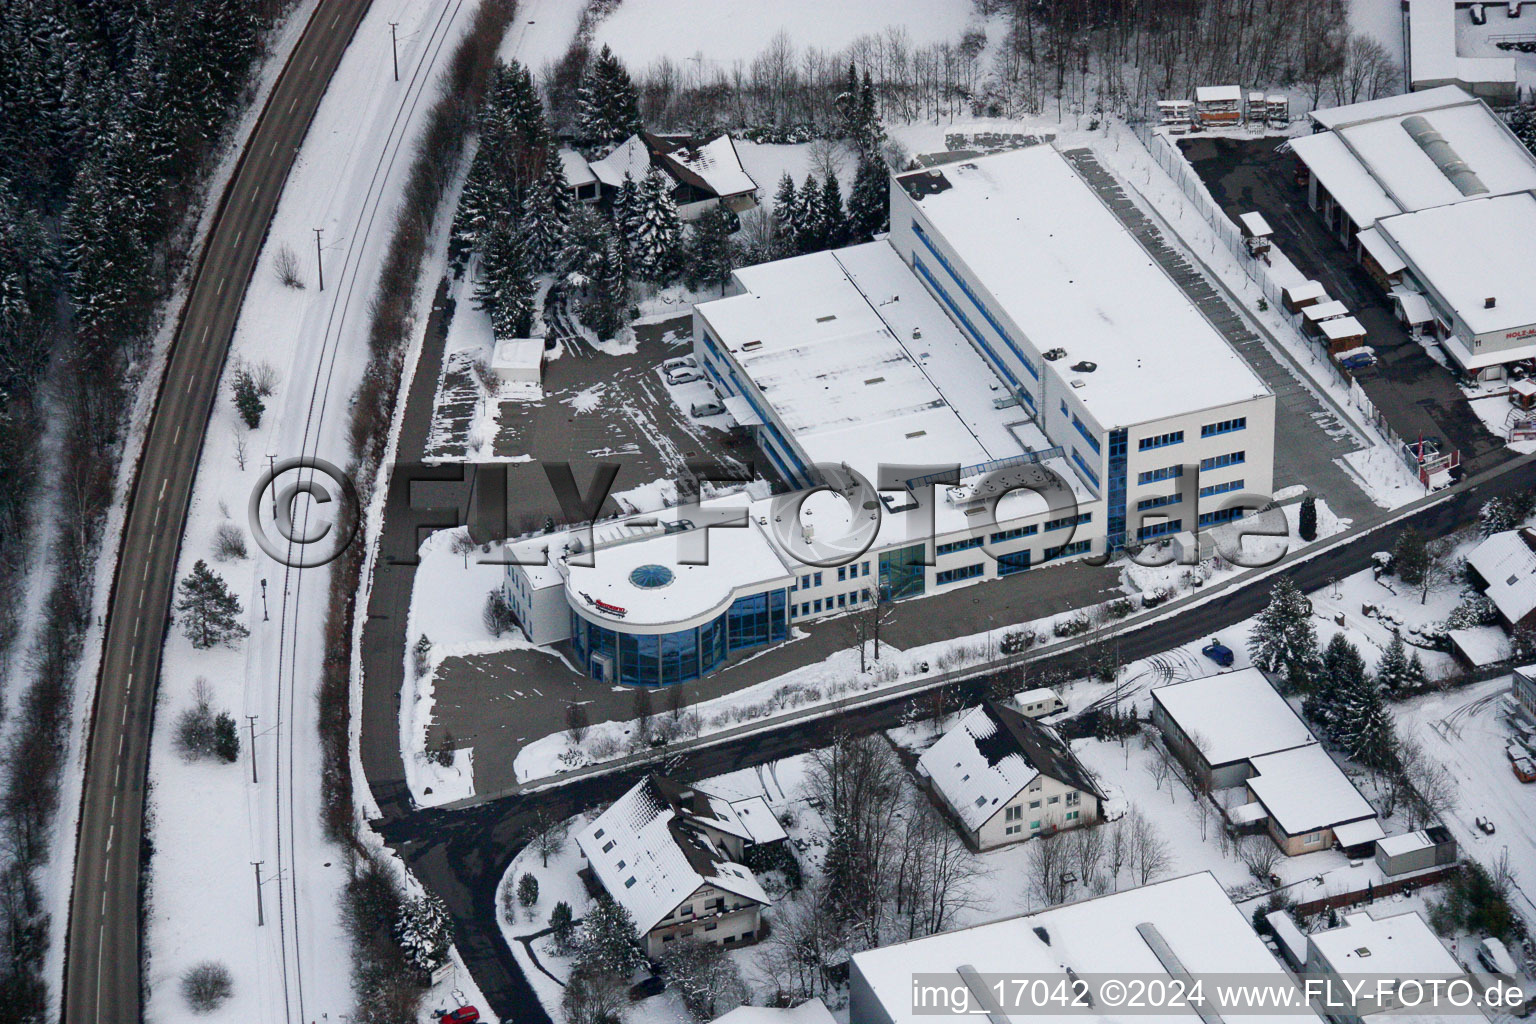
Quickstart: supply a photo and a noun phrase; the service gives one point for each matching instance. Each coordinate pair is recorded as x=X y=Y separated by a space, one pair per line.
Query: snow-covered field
x=721 y=34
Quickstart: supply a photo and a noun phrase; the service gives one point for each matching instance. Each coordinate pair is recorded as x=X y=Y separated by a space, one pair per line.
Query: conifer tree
x=608 y=107
x=786 y=212
x=608 y=297
x=506 y=290
x=1363 y=726
x=628 y=207
x=810 y=232
x=710 y=251
x=1392 y=669
x=546 y=216
x=1342 y=676
x=1306 y=522
x=210 y=612
x=869 y=115
x=657 y=229
x=608 y=938
x=1284 y=639
x=869 y=201
x=833 y=219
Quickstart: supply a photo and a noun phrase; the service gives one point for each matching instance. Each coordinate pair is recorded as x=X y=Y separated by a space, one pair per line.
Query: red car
x=463 y=1015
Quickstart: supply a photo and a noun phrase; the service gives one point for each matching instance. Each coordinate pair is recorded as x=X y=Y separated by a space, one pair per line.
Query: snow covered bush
x=706 y=977
x=1475 y=609
x=206 y=986
x=228 y=543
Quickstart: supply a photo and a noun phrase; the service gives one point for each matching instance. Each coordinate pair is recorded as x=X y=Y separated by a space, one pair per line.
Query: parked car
x=1357 y=360
x=1218 y=652
x=702 y=409
x=680 y=363
x=1524 y=768
x=1485 y=826
x=684 y=376
x=463 y=1015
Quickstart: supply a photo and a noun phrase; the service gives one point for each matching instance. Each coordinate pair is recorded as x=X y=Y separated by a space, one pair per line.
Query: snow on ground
x=1382 y=20
x=1466 y=732
x=211 y=821
x=719 y=35
x=1490 y=400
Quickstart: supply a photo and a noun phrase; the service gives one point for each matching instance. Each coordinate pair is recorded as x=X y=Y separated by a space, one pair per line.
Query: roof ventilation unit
x=1054 y=354
x=1086 y=366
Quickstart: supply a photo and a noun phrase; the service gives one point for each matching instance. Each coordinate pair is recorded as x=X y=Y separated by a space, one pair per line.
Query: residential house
x=670 y=854
x=1174 y=928
x=1239 y=739
x=812 y=1011
x=1005 y=777
x=1505 y=565
x=704 y=173
x=578 y=175
x=1524 y=691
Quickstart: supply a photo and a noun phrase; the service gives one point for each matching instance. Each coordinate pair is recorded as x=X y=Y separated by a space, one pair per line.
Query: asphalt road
x=102 y=956
x=461 y=854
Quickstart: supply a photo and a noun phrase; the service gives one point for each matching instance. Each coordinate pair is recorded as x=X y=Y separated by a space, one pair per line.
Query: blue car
x=1218 y=652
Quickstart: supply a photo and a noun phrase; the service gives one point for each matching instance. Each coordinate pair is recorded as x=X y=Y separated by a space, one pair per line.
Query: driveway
x=1417 y=395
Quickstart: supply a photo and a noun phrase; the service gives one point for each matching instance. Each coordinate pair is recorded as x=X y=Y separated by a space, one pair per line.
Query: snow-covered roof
x=993 y=753
x=1233 y=716
x=1470 y=252
x=1290 y=936
x=1414 y=306
x=812 y=1011
x=1432 y=53
x=1417 y=157
x=714 y=165
x=652 y=849
x=758 y=819
x=1255 y=224
x=1218 y=93
x=1357 y=833
x=861 y=364
x=1127 y=933
x=1247 y=814
x=1507 y=562
x=577 y=172
x=1480 y=645
x=1341 y=327
x=632 y=157
x=1304 y=790
x=1389 y=106
x=1037 y=694
x=1405 y=842
x=1385 y=256
x=617 y=587
x=1400 y=946
x=518 y=353
x=1068 y=275
x=1324 y=311
x=1305 y=290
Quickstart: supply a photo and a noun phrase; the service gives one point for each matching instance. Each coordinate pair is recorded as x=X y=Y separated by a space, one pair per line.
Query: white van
x=1040 y=702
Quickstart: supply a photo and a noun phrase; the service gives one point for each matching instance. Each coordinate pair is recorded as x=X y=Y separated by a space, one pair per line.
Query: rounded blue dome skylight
x=649 y=577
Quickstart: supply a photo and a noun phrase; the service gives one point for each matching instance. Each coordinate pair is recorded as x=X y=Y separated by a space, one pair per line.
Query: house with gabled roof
x=670 y=854
x=703 y=172
x=1004 y=777
x=1505 y=564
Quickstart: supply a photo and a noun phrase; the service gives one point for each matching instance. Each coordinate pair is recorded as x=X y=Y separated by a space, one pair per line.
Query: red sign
x=1524 y=332
x=604 y=606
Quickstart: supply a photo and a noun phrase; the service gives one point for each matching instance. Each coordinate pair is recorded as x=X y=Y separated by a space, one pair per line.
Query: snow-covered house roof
x=812 y=1011
x=1254 y=224
x=1180 y=925
x=993 y=753
x=1480 y=645
x=1234 y=716
x=1068 y=275
x=1381 y=251
x=1400 y=946
x=654 y=847
x=1432 y=55
x=1507 y=563
x=713 y=166
x=1218 y=93
x=1305 y=790
x=758 y=820
x=577 y=171
x=633 y=157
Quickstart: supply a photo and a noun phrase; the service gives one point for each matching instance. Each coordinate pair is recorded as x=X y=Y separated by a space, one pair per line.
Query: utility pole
x=319 y=260
x=264 y=599
x=393 y=49
x=261 y=916
x=272 y=468
x=252 y=720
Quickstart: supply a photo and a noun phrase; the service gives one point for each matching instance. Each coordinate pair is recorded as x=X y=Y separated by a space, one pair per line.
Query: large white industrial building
x=1008 y=380
x=1436 y=197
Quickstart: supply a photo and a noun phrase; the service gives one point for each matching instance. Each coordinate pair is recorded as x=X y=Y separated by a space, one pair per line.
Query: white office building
x=934 y=427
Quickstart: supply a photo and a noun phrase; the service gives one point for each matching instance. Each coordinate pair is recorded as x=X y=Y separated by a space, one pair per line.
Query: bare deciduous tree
x=1150 y=850
x=1049 y=860
x=1260 y=855
x=285 y=264
x=576 y=721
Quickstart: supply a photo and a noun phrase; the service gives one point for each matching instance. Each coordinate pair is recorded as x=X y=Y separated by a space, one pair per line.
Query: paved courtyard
x=1416 y=394
x=500 y=702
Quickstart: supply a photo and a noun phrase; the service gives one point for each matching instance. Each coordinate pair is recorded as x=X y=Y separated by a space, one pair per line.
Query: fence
x=1338 y=901
x=1322 y=368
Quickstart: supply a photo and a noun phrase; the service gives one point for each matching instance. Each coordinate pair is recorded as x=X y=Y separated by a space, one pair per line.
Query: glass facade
x=903 y=573
x=676 y=657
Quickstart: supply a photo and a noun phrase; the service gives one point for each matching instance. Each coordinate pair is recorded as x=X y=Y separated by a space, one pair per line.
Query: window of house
x=817 y=578
x=608 y=846
x=1073 y=798
x=1013 y=830
x=842 y=573
x=1054 y=800
x=1013 y=814
x=1072 y=815
x=1034 y=826
x=817 y=604
x=1313 y=838
x=1034 y=804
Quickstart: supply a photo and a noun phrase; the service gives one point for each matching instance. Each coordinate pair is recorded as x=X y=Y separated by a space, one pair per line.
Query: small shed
x=518 y=361
x=1380 y=260
x=1341 y=334
x=1258 y=111
x=1479 y=646
x=1219 y=106
x=1414 y=851
x=1522 y=394
x=1256 y=231
x=1319 y=311
x=1278 y=110
x=1176 y=115
x=1298 y=296
x=1412 y=308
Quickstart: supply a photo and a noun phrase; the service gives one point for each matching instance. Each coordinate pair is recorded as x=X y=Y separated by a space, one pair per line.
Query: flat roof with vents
x=861 y=365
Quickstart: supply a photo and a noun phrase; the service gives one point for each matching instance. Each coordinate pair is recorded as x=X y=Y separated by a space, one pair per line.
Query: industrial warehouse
x=1006 y=381
x=1433 y=194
